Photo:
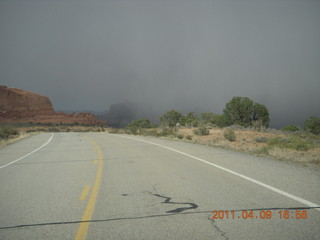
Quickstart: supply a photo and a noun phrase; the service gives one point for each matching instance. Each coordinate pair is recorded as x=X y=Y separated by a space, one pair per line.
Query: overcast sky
x=188 y=55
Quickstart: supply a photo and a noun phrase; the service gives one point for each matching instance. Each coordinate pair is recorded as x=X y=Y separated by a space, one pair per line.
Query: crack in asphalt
x=102 y=220
x=141 y=217
x=218 y=229
x=177 y=210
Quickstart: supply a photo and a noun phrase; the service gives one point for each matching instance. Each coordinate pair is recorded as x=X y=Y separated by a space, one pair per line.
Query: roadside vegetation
x=7 y=132
x=243 y=126
x=14 y=132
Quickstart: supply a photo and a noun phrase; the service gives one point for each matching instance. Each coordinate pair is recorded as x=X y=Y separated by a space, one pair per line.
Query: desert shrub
x=133 y=130
x=113 y=130
x=190 y=120
x=312 y=124
x=140 y=123
x=53 y=129
x=31 y=130
x=261 y=140
x=189 y=137
x=149 y=132
x=167 y=132
x=202 y=131
x=290 y=128
x=230 y=135
x=264 y=150
x=6 y=132
x=171 y=118
x=179 y=136
x=293 y=143
x=135 y=127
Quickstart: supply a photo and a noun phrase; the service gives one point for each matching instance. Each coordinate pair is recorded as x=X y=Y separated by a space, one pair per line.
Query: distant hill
x=120 y=114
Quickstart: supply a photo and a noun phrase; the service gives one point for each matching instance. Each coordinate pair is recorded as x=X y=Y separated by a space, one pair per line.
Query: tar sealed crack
x=177 y=210
x=214 y=224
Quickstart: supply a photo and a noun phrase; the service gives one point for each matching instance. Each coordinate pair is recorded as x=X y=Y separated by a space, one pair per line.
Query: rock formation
x=19 y=106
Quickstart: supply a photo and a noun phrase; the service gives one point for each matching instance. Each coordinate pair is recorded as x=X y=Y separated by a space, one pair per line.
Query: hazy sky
x=168 y=54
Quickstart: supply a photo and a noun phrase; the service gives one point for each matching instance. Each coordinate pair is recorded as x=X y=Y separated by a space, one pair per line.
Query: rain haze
x=182 y=55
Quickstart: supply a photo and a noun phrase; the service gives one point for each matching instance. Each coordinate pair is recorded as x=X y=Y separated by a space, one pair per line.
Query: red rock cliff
x=13 y=99
x=19 y=106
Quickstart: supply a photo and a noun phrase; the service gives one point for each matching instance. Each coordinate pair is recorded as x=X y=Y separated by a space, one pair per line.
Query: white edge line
x=43 y=145
x=298 y=199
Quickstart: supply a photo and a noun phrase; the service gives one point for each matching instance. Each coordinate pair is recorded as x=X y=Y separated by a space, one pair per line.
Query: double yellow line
x=84 y=225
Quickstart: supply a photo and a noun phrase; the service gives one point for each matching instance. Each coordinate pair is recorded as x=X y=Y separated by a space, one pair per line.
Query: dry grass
x=259 y=143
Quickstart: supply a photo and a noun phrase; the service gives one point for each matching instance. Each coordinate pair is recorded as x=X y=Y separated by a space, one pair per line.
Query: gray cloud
x=184 y=55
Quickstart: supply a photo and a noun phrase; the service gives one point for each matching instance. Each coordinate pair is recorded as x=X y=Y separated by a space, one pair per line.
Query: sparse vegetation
x=230 y=135
x=261 y=139
x=263 y=151
x=293 y=143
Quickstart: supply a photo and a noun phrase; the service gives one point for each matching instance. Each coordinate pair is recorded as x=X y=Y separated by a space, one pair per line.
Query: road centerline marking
x=274 y=189
x=84 y=193
x=84 y=225
x=43 y=145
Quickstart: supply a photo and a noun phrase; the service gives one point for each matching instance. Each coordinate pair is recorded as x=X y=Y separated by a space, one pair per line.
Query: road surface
x=108 y=186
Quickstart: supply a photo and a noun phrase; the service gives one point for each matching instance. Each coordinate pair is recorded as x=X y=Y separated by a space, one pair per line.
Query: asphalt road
x=106 y=186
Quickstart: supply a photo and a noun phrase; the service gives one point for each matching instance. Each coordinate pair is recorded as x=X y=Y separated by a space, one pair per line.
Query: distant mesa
x=20 y=106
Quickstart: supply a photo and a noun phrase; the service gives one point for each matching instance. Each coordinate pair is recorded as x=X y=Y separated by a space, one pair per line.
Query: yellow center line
x=84 y=193
x=84 y=226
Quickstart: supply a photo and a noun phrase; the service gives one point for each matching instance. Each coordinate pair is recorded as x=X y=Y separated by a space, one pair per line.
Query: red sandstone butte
x=20 y=106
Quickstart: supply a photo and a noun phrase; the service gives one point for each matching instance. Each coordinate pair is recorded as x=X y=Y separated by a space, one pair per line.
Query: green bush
x=190 y=120
x=6 y=132
x=290 y=128
x=136 y=126
x=140 y=123
x=245 y=112
x=221 y=121
x=230 y=135
x=207 y=117
x=312 y=124
x=202 y=131
x=171 y=118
